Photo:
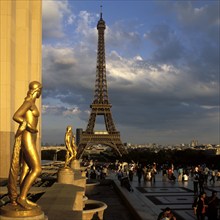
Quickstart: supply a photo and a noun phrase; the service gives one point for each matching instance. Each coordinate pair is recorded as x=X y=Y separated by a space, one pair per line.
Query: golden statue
x=70 y=146
x=25 y=155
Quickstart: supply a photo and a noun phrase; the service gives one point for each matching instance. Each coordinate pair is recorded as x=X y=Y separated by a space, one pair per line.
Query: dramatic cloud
x=123 y=36
x=52 y=20
x=60 y=110
x=204 y=18
x=163 y=81
x=169 y=46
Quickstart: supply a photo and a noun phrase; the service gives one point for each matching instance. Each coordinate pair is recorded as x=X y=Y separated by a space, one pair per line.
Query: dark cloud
x=169 y=46
x=122 y=34
x=66 y=76
x=195 y=17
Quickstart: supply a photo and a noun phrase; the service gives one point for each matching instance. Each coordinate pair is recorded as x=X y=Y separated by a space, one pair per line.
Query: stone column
x=20 y=63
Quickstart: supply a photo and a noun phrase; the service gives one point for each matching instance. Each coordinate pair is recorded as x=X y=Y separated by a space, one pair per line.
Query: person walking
x=200 y=206
x=212 y=179
x=195 y=180
x=153 y=172
x=201 y=182
x=206 y=174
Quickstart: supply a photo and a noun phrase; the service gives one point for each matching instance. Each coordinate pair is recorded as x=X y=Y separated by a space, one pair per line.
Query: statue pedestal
x=83 y=173
x=16 y=212
x=75 y=164
x=65 y=175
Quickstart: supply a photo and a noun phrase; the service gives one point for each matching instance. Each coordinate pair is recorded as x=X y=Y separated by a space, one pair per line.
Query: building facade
x=20 y=63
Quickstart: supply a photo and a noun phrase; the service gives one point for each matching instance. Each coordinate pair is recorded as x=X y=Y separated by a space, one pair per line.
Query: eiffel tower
x=101 y=106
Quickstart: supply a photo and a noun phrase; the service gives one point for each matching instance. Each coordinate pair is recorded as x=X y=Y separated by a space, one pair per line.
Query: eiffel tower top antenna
x=101 y=9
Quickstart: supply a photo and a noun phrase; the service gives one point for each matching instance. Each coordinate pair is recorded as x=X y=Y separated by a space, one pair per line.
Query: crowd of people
x=204 y=207
x=201 y=176
x=96 y=171
x=145 y=172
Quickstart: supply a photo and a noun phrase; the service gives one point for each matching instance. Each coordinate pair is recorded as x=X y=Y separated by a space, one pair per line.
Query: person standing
x=212 y=179
x=196 y=180
x=131 y=173
x=180 y=174
x=200 y=206
x=213 y=203
x=144 y=172
x=218 y=175
x=206 y=174
x=201 y=182
x=104 y=172
x=153 y=172
x=139 y=173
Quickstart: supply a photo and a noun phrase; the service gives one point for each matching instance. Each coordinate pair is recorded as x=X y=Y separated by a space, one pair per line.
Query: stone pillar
x=65 y=175
x=75 y=164
x=20 y=63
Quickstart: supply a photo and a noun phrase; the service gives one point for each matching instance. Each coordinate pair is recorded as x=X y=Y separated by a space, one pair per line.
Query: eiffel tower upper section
x=101 y=105
x=101 y=93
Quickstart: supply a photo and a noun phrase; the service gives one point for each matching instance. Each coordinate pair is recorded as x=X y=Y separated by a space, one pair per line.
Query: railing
x=57 y=148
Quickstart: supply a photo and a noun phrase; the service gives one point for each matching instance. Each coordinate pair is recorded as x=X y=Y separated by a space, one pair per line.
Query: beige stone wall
x=20 y=63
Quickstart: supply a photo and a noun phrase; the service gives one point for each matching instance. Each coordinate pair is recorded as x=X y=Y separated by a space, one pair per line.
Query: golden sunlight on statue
x=71 y=148
x=25 y=158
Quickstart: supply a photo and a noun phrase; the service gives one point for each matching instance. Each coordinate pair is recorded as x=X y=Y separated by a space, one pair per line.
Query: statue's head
x=68 y=128
x=35 y=86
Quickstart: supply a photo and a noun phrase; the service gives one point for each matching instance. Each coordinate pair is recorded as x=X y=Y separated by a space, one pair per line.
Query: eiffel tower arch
x=101 y=106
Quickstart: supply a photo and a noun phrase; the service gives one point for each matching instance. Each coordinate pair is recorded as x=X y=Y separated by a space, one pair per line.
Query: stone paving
x=148 y=199
x=116 y=209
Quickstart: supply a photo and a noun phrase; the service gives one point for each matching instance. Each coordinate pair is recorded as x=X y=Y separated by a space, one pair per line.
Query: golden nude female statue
x=70 y=146
x=25 y=155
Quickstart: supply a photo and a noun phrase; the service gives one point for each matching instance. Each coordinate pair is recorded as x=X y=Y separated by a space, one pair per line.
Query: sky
x=162 y=67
